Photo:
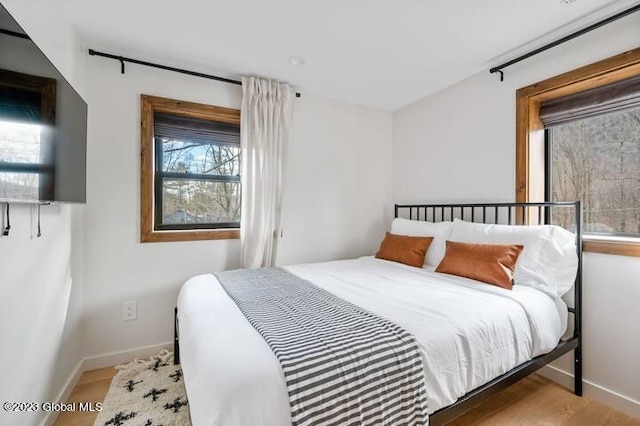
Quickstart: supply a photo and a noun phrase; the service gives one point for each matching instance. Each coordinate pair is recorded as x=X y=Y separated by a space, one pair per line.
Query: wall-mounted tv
x=43 y=124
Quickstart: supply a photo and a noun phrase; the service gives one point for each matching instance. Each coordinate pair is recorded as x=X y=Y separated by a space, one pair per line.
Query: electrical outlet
x=129 y=311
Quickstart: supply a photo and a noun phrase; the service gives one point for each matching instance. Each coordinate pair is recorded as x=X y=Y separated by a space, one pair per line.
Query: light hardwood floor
x=92 y=387
x=537 y=401
x=534 y=401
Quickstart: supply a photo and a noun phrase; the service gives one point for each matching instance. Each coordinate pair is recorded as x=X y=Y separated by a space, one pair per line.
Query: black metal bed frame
x=511 y=214
x=516 y=214
x=176 y=340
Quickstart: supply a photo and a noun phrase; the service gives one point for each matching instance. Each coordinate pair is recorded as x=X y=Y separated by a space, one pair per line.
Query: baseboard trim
x=101 y=361
x=607 y=396
x=564 y=378
x=73 y=379
x=114 y=358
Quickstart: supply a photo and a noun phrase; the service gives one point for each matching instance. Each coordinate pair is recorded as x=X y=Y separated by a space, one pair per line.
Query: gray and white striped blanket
x=342 y=364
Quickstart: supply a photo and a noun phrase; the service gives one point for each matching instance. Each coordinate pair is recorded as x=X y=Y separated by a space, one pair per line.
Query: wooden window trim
x=529 y=132
x=149 y=105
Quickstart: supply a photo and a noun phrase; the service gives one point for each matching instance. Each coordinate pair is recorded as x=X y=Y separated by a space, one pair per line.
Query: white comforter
x=470 y=333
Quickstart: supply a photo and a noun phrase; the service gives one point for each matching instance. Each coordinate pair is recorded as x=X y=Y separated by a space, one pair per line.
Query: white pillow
x=549 y=261
x=440 y=231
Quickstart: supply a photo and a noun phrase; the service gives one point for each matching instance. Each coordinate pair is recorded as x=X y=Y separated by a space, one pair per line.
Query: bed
x=476 y=338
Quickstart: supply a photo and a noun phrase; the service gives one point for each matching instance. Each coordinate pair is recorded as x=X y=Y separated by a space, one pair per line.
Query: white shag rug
x=146 y=393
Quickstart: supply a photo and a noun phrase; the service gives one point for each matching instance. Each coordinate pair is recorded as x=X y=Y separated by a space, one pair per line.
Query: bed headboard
x=567 y=214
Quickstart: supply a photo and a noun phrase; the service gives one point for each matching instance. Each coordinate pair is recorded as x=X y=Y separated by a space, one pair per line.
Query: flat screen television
x=43 y=124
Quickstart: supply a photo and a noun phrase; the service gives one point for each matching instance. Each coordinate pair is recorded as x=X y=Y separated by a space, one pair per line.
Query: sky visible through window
x=197 y=200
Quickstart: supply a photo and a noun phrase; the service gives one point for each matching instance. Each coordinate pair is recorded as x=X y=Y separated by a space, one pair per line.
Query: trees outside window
x=578 y=137
x=597 y=160
x=190 y=171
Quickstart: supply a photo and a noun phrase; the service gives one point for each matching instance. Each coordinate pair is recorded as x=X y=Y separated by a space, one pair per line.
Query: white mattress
x=470 y=333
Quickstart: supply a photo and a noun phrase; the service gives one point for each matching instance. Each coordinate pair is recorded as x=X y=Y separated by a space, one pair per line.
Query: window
x=597 y=160
x=190 y=171
x=27 y=112
x=578 y=137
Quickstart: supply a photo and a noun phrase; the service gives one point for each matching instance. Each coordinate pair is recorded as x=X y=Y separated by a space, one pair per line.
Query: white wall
x=40 y=306
x=45 y=23
x=459 y=145
x=338 y=177
x=40 y=309
x=338 y=180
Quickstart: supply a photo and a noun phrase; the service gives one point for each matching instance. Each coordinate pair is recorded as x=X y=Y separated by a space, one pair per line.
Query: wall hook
x=121 y=59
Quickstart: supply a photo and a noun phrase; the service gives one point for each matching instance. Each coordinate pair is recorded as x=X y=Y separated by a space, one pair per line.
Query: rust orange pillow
x=404 y=249
x=489 y=263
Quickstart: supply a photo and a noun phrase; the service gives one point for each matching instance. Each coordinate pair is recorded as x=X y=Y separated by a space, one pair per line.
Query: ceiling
x=379 y=53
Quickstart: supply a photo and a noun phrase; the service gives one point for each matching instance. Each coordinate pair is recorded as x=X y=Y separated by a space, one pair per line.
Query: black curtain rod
x=571 y=36
x=14 y=34
x=123 y=59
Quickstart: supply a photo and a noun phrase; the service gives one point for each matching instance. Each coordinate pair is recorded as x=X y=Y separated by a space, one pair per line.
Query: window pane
x=597 y=160
x=196 y=202
x=20 y=142
x=19 y=186
x=200 y=158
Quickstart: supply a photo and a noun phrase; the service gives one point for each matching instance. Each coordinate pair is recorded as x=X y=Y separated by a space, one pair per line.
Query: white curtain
x=264 y=129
